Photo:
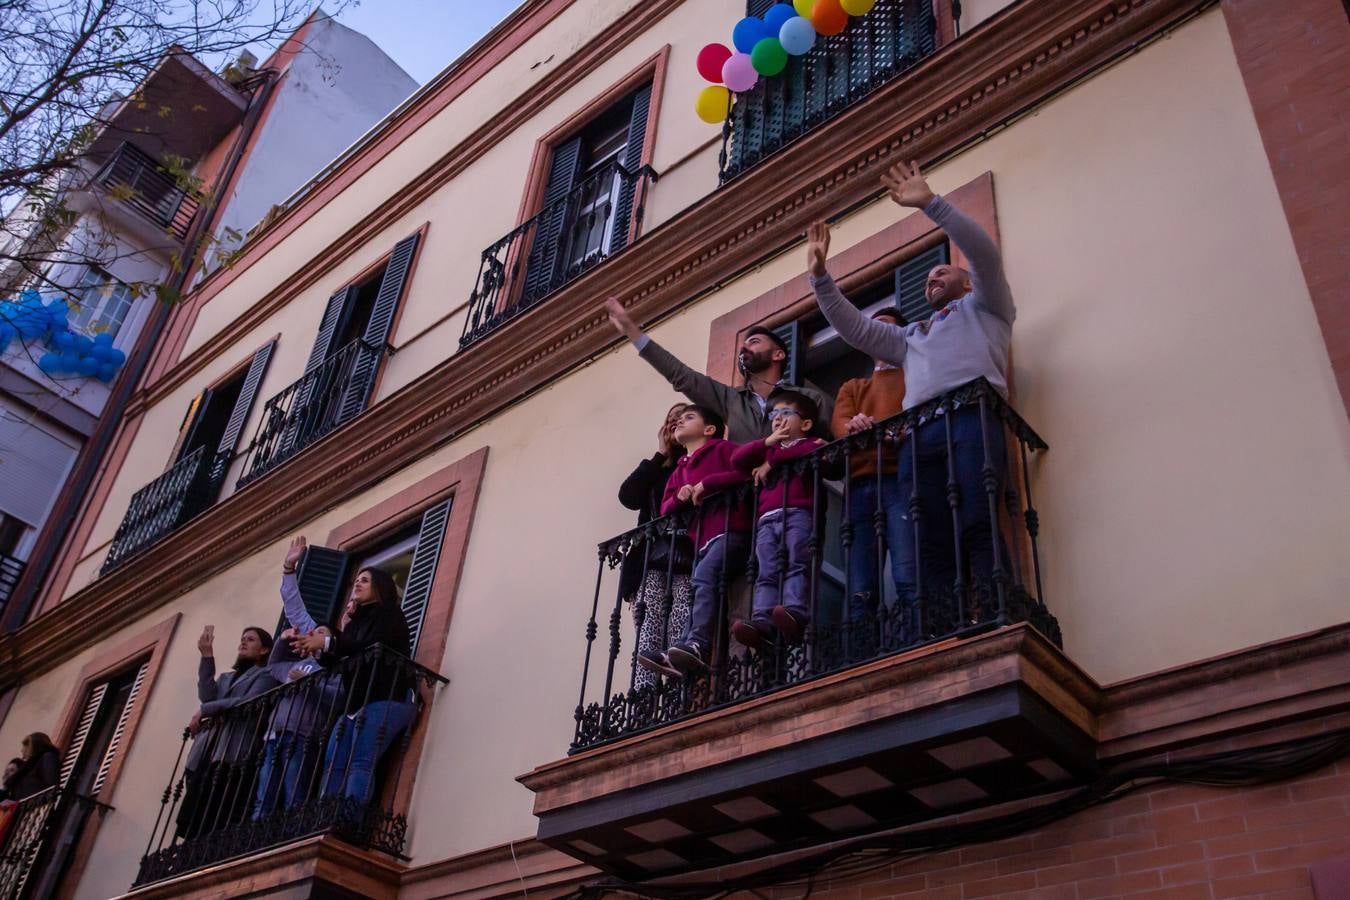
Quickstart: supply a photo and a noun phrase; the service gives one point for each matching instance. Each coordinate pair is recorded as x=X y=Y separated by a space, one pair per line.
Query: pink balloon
x=738 y=73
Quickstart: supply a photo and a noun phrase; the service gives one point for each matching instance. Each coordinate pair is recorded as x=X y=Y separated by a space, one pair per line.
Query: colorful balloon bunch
x=763 y=47
x=68 y=352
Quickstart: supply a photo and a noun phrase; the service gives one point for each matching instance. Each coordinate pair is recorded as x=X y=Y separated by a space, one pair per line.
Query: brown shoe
x=754 y=635
x=790 y=624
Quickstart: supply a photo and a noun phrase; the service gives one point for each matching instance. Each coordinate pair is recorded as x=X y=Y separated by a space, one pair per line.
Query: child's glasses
x=782 y=412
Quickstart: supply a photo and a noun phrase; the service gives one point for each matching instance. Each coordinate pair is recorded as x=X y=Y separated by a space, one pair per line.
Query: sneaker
x=687 y=657
x=657 y=661
x=755 y=635
x=790 y=624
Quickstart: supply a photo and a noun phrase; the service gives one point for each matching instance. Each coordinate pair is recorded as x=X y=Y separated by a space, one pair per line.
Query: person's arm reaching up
x=695 y=385
x=880 y=340
x=907 y=187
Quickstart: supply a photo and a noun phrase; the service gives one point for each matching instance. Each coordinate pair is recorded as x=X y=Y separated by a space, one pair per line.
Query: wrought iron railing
x=833 y=75
x=11 y=570
x=41 y=831
x=565 y=239
x=845 y=628
x=311 y=408
x=277 y=768
x=143 y=184
x=163 y=505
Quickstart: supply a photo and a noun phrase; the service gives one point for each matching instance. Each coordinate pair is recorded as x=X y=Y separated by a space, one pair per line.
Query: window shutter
x=910 y=279
x=338 y=308
x=256 y=370
x=87 y=717
x=367 y=362
x=791 y=334
x=115 y=743
x=541 y=268
x=758 y=7
x=423 y=570
x=321 y=576
x=632 y=160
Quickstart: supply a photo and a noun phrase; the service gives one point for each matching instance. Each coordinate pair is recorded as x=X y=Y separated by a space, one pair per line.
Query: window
x=102 y=303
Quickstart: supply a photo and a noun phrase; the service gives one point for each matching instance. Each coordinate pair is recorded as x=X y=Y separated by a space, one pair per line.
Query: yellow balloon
x=857 y=7
x=713 y=104
x=803 y=7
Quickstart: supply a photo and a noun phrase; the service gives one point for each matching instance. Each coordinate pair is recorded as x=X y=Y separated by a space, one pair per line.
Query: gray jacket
x=744 y=411
x=233 y=741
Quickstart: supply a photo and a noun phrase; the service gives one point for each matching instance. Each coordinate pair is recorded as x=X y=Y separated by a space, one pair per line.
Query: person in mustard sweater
x=860 y=405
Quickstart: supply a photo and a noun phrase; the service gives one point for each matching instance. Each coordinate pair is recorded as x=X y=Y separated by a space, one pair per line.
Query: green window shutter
x=541 y=269
x=367 y=362
x=239 y=414
x=632 y=160
x=422 y=572
x=910 y=279
x=336 y=312
x=791 y=334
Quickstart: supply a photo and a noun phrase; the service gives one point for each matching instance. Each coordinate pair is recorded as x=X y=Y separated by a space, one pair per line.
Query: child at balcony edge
x=717 y=527
x=786 y=511
x=967 y=336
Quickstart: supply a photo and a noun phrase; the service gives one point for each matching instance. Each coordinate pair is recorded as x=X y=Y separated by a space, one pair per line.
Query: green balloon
x=769 y=58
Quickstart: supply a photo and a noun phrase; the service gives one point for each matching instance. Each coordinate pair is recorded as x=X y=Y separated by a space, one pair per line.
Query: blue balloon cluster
x=68 y=352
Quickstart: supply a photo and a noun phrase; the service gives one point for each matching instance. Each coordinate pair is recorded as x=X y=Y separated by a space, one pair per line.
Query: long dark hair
x=382 y=583
x=40 y=743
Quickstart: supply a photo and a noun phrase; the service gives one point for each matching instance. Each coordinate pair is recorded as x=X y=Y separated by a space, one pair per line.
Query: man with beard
x=218 y=774
x=967 y=337
x=762 y=359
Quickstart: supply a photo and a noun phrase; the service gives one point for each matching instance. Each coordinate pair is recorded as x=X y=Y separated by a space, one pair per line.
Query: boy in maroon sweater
x=718 y=533
x=786 y=510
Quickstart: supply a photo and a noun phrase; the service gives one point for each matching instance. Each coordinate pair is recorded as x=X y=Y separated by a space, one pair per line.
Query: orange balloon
x=828 y=17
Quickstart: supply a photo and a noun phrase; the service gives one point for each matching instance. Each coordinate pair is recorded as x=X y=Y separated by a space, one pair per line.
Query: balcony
x=163 y=506
x=134 y=178
x=42 y=832
x=566 y=239
x=272 y=771
x=957 y=698
x=306 y=411
x=833 y=75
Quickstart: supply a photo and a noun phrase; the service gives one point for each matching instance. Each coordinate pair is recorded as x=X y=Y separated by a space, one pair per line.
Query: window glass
x=101 y=303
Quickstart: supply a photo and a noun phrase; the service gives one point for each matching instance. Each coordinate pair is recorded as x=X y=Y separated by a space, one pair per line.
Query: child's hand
x=761 y=473
x=779 y=433
x=686 y=493
x=697 y=495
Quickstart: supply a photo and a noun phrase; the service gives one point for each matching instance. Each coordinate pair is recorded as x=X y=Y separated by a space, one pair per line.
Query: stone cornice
x=1022 y=57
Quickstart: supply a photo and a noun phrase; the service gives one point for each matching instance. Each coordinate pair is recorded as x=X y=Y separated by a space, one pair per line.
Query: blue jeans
x=356 y=745
x=287 y=768
x=722 y=559
x=785 y=533
x=898 y=541
x=937 y=537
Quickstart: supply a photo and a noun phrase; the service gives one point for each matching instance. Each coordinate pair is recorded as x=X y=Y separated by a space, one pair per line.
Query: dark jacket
x=35 y=775
x=230 y=740
x=371 y=624
x=642 y=491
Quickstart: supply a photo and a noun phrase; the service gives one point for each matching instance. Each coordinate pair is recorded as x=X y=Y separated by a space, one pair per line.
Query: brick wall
x=1175 y=842
x=1295 y=56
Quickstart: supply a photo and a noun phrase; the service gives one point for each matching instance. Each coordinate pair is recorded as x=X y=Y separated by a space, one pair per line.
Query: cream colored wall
x=1195 y=498
x=973 y=12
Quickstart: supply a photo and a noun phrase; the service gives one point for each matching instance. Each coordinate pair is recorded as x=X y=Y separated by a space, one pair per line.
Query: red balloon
x=711 y=59
x=828 y=17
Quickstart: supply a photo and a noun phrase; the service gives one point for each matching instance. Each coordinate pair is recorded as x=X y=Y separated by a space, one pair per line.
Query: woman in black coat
x=40 y=769
x=661 y=611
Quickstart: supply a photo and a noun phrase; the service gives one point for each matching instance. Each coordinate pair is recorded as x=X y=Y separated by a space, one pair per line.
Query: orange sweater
x=880 y=397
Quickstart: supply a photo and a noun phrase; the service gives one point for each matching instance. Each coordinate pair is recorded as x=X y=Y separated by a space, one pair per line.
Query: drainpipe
x=63 y=518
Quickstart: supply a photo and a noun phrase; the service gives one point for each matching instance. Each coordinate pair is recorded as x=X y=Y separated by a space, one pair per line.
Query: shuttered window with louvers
x=422 y=573
x=910 y=278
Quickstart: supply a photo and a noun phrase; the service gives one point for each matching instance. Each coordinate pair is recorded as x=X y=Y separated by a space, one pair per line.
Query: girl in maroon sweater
x=786 y=511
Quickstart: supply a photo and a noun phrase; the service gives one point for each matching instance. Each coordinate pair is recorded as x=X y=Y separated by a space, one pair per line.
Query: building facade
x=410 y=365
x=226 y=151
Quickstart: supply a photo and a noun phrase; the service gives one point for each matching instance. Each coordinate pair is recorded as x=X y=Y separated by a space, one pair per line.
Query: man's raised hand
x=907 y=186
x=622 y=322
x=817 y=247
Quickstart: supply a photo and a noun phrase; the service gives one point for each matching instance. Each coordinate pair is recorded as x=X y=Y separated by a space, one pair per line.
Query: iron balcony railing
x=833 y=75
x=11 y=570
x=277 y=768
x=145 y=186
x=311 y=408
x=41 y=832
x=163 y=506
x=844 y=630
x=567 y=238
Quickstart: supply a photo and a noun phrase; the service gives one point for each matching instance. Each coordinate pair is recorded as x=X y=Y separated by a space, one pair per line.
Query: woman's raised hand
x=294 y=553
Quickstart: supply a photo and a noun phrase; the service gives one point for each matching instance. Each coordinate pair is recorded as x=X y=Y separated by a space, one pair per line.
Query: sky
x=425 y=36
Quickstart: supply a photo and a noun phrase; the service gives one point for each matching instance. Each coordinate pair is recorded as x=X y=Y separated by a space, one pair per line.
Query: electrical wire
x=847 y=860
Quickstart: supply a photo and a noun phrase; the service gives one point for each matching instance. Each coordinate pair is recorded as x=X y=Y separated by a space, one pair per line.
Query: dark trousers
x=897 y=540
x=722 y=559
x=783 y=555
x=937 y=531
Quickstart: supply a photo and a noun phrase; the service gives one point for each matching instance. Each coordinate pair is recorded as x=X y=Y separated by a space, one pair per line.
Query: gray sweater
x=967 y=338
